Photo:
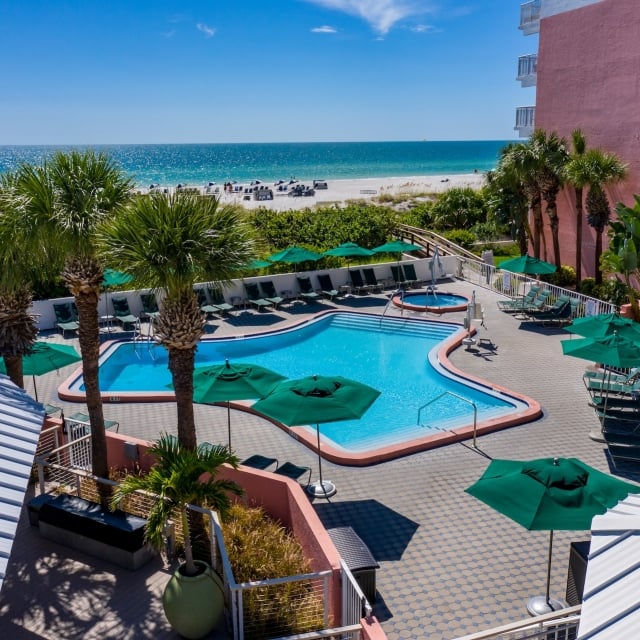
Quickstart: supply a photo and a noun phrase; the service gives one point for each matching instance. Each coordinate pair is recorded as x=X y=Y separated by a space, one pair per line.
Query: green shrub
x=261 y=549
x=463 y=237
x=565 y=276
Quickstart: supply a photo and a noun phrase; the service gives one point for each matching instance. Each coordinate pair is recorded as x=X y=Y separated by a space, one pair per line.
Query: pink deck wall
x=588 y=77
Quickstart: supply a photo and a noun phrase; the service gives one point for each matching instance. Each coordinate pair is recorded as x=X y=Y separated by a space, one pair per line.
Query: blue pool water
x=434 y=300
x=396 y=356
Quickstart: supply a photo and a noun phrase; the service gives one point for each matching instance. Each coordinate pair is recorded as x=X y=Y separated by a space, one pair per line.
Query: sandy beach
x=340 y=191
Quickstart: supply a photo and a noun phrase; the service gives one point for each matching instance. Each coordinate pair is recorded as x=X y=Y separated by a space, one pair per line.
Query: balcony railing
x=525 y=121
x=527 y=70
x=530 y=17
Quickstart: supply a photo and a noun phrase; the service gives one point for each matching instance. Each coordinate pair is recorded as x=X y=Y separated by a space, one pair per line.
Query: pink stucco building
x=587 y=76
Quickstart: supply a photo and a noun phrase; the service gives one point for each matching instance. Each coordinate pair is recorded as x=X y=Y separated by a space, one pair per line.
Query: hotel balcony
x=527 y=70
x=530 y=17
x=525 y=121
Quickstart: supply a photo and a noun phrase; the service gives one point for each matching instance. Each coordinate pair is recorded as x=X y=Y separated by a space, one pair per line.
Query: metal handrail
x=455 y=395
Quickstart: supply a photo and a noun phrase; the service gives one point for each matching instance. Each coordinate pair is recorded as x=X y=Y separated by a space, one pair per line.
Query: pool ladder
x=455 y=395
x=390 y=303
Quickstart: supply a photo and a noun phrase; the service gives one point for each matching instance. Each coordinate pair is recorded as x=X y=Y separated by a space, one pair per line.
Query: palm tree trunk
x=554 y=225
x=13 y=365
x=536 y=207
x=579 y=217
x=598 y=253
x=88 y=335
x=181 y=365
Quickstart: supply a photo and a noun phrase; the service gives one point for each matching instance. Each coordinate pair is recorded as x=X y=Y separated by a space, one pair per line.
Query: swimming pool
x=400 y=357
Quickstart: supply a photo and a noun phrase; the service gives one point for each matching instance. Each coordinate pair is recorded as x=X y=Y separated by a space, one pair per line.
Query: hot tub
x=431 y=301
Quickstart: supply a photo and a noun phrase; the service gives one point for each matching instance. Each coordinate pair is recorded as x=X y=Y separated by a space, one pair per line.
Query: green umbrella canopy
x=613 y=350
x=259 y=264
x=43 y=358
x=549 y=493
x=529 y=265
x=396 y=246
x=314 y=400
x=113 y=278
x=349 y=250
x=605 y=324
x=293 y=255
x=225 y=382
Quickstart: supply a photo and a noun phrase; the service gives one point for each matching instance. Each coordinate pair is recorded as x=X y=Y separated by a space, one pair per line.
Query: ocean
x=200 y=164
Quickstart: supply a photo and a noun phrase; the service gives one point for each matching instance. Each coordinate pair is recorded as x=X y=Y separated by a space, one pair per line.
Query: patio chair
x=559 y=313
x=357 y=282
x=514 y=305
x=150 y=308
x=293 y=471
x=306 y=290
x=398 y=277
x=410 y=275
x=326 y=286
x=539 y=302
x=253 y=296
x=270 y=293
x=371 y=281
x=203 y=302
x=66 y=318
x=122 y=313
x=83 y=418
x=218 y=301
x=257 y=461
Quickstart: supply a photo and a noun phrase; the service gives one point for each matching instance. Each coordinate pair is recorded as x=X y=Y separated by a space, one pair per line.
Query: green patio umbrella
x=259 y=264
x=238 y=381
x=549 y=494
x=316 y=400
x=45 y=357
x=349 y=250
x=111 y=279
x=396 y=246
x=605 y=324
x=528 y=265
x=294 y=255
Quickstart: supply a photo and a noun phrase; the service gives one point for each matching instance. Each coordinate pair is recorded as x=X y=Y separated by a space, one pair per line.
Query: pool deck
x=449 y=565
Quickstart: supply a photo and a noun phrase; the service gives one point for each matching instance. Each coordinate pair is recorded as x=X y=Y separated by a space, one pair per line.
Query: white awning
x=21 y=420
x=611 y=607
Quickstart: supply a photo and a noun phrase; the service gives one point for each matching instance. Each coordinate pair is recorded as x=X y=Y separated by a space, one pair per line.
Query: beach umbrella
x=528 y=265
x=549 y=494
x=294 y=255
x=396 y=246
x=44 y=357
x=316 y=400
x=435 y=262
x=605 y=324
x=259 y=264
x=349 y=250
x=226 y=382
x=111 y=279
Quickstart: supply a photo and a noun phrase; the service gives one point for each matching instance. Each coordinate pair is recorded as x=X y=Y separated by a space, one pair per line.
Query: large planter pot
x=194 y=604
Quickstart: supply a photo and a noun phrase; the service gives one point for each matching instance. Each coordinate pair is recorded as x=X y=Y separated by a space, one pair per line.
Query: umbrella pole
x=229 y=423
x=35 y=389
x=320 y=458
x=549 y=568
x=320 y=489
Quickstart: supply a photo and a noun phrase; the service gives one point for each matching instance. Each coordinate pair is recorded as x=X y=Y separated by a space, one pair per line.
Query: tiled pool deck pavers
x=449 y=565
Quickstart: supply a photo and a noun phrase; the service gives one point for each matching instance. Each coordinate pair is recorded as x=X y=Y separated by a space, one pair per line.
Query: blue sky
x=163 y=71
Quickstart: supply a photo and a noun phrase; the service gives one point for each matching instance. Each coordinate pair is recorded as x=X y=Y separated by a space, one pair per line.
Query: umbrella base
x=539 y=605
x=326 y=489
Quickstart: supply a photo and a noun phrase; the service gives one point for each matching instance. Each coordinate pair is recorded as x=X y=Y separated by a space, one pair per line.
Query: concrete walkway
x=449 y=565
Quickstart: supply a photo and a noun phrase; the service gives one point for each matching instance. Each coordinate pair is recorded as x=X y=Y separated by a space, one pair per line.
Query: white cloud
x=324 y=29
x=382 y=15
x=423 y=28
x=207 y=30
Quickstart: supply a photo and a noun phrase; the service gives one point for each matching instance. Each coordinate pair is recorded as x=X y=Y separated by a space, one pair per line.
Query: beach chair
x=293 y=471
x=558 y=313
x=270 y=293
x=83 y=419
x=218 y=301
x=254 y=297
x=66 y=318
x=150 y=308
x=371 y=281
x=357 y=283
x=306 y=290
x=398 y=277
x=123 y=314
x=257 y=461
x=326 y=286
x=203 y=302
x=410 y=275
x=513 y=305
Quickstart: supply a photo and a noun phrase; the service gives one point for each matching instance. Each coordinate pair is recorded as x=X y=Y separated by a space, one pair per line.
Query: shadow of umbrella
x=45 y=357
x=226 y=382
x=316 y=400
x=549 y=494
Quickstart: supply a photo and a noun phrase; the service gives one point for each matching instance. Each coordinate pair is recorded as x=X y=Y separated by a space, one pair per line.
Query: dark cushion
x=115 y=528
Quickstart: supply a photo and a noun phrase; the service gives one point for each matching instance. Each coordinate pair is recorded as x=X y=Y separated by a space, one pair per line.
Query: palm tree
x=176 y=479
x=523 y=160
x=577 y=175
x=66 y=200
x=170 y=243
x=603 y=169
x=553 y=156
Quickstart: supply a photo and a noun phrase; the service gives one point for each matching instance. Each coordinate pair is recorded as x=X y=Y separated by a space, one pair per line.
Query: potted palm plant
x=193 y=598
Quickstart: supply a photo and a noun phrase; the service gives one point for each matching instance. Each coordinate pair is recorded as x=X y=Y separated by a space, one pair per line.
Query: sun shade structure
x=549 y=494
x=43 y=358
x=528 y=265
x=294 y=255
x=238 y=381
x=316 y=400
